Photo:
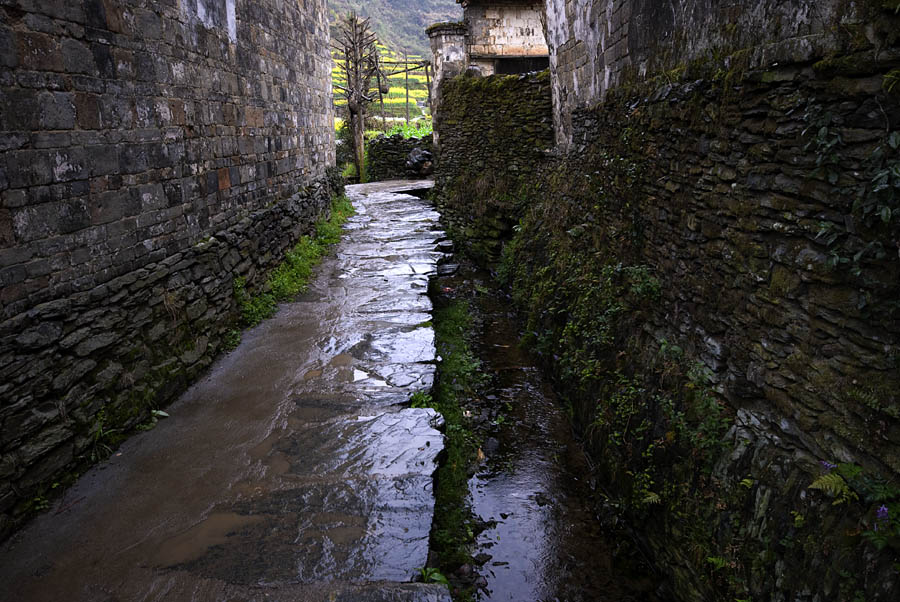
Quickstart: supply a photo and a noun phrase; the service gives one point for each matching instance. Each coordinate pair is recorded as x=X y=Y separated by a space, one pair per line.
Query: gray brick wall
x=596 y=45
x=148 y=149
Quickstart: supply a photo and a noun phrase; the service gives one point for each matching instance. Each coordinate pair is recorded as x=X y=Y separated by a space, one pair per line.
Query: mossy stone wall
x=386 y=157
x=712 y=273
x=493 y=131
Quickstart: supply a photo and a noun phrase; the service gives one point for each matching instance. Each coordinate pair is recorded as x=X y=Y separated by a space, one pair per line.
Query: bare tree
x=357 y=56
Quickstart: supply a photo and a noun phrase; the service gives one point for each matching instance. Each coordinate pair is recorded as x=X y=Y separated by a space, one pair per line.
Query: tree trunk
x=406 y=66
x=358 y=129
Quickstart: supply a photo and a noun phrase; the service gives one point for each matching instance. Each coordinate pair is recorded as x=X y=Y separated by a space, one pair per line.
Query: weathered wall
x=387 y=157
x=448 y=51
x=503 y=28
x=492 y=129
x=596 y=44
x=712 y=271
x=150 y=152
x=774 y=271
x=448 y=56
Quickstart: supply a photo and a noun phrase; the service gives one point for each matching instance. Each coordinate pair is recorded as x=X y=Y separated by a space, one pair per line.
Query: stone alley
x=293 y=469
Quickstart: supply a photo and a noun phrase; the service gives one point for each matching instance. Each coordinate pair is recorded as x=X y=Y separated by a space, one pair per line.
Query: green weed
x=433 y=575
x=292 y=276
x=848 y=484
x=38 y=504
x=416 y=129
x=100 y=435
x=459 y=375
x=232 y=339
x=420 y=399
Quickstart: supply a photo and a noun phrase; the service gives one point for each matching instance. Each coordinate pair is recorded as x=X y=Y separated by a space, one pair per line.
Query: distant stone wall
x=492 y=130
x=597 y=44
x=387 y=157
x=150 y=153
x=500 y=124
x=503 y=28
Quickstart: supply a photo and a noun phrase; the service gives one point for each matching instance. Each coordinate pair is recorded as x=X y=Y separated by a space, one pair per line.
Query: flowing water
x=543 y=540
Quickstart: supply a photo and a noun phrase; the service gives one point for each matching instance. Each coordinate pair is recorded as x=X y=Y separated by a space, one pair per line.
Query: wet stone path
x=292 y=471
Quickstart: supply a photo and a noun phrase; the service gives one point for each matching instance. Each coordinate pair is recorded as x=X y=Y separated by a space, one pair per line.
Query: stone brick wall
x=387 y=157
x=500 y=124
x=775 y=278
x=448 y=56
x=597 y=44
x=503 y=28
x=492 y=129
x=150 y=152
x=751 y=185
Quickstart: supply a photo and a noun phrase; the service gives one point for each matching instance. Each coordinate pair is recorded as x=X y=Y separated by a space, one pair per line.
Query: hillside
x=400 y=24
x=400 y=27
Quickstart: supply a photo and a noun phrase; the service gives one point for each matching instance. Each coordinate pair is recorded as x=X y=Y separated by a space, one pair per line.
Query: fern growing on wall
x=834 y=485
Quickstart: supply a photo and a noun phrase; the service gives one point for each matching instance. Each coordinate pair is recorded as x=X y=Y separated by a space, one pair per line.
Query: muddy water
x=544 y=540
x=293 y=471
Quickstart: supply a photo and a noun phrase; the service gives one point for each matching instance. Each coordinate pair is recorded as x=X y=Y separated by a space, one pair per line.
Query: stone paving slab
x=294 y=470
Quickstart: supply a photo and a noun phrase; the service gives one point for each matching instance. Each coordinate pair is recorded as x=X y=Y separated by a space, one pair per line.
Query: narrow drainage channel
x=538 y=536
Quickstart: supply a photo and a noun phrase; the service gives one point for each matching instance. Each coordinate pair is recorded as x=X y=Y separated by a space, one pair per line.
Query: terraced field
x=395 y=103
x=400 y=27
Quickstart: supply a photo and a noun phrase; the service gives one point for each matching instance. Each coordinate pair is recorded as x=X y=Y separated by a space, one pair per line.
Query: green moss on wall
x=493 y=132
x=688 y=275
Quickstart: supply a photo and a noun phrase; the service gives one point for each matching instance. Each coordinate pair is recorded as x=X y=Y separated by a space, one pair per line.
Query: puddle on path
x=293 y=471
x=193 y=543
x=543 y=541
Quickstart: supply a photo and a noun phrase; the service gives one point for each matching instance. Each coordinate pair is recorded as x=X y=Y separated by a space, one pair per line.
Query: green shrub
x=416 y=129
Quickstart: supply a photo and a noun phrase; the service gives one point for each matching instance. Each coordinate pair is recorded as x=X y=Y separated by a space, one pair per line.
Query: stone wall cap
x=466 y=3
x=453 y=27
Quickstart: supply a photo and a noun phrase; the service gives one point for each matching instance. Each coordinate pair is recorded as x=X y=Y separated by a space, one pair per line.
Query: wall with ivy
x=712 y=272
x=493 y=131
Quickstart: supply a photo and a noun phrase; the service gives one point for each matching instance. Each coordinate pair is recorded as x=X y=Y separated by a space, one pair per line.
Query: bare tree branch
x=356 y=54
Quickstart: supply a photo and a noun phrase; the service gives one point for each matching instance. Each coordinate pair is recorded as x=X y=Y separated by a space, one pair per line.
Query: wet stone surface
x=541 y=537
x=294 y=470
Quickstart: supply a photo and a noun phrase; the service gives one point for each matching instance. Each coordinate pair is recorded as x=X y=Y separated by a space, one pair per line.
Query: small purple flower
x=881 y=516
x=828 y=465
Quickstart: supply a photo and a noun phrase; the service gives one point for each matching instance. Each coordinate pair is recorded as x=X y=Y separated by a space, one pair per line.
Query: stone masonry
x=503 y=29
x=737 y=151
x=150 y=153
x=493 y=130
x=388 y=157
x=597 y=44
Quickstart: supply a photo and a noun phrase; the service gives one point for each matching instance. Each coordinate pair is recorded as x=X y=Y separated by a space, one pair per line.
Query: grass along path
x=292 y=276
